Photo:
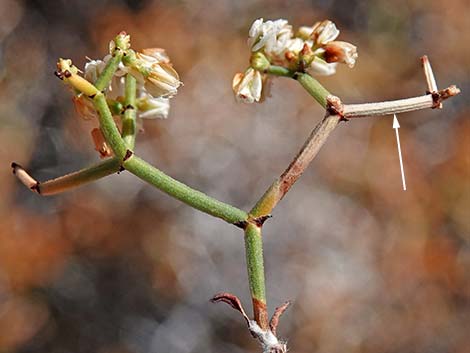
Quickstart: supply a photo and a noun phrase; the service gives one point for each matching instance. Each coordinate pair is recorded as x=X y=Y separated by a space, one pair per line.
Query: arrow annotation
x=396 y=126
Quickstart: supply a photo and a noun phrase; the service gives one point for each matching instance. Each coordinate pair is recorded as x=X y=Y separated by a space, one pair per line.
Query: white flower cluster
x=312 y=47
x=157 y=81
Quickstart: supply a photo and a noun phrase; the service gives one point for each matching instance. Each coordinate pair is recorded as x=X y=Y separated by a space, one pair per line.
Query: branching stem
x=125 y=158
x=335 y=112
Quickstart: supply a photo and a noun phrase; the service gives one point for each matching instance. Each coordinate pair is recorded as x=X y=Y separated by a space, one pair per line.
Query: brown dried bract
x=231 y=300
x=276 y=316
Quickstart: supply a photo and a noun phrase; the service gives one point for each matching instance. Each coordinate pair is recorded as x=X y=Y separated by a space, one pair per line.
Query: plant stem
x=69 y=181
x=311 y=85
x=265 y=205
x=280 y=71
x=182 y=192
x=314 y=88
x=108 y=72
x=309 y=150
x=129 y=116
x=304 y=157
x=152 y=175
x=255 y=266
x=399 y=106
x=108 y=127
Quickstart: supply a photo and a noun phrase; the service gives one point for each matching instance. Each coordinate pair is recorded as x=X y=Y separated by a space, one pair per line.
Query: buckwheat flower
x=342 y=52
x=321 y=67
x=153 y=70
x=158 y=54
x=270 y=36
x=162 y=81
x=324 y=32
x=152 y=108
x=295 y=45
x=248 y=86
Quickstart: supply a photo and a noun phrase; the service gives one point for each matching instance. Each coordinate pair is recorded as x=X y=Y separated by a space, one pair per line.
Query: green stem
x=108 y=127
x=280 y=71
x=314 y=88
x=111 y=66
x=255 y=266
x=311 y=85
x=152 y=175
x=68 y=181
x=129 y=116
x=265 y=205
x=182 y=192
x=83 y=176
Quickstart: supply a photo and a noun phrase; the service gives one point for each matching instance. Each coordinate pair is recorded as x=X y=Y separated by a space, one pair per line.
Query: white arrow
x=396 y=126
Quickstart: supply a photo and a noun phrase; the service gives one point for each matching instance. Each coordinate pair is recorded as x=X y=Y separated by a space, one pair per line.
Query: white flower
x=324 y=32
x=159 y=55
x=153 y=70
x=271 y=36
x=93 y=68
x=151 y=108
x=295 y=45
x=248 y=86
x=321 y=67
x=162 y=81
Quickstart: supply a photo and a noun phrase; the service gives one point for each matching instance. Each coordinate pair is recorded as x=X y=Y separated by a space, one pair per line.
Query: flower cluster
x=157 y=81
x=313 y=49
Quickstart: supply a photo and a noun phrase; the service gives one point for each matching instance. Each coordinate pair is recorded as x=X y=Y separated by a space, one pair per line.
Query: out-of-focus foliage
x=117 y=266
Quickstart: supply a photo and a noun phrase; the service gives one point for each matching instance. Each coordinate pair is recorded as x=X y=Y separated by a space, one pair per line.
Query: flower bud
x=259 y=62
x=121 y=41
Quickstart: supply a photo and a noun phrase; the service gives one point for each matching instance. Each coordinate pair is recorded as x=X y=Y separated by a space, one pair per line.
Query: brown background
x=117 y=266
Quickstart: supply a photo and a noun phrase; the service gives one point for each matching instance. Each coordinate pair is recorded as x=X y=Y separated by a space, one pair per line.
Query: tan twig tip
x=430 y=79
x=25 y=178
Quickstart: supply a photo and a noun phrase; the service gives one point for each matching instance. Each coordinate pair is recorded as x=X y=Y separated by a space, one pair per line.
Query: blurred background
x=118 y=267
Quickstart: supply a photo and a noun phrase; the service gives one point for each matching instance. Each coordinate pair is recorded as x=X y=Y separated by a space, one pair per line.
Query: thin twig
x=68 y=181
x=399 y=106
x=307 y=153
x=335 y=112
